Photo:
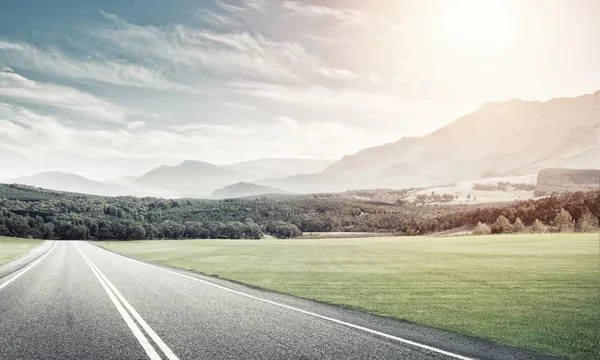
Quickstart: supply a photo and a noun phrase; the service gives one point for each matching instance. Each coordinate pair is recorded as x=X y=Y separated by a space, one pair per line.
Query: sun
x=479 y=21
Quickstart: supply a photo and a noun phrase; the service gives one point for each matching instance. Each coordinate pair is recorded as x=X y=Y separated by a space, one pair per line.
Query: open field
x=540 y=292
x=12 y=248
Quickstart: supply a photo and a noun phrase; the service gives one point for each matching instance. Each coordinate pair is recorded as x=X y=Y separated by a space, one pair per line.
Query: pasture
x=540 y=292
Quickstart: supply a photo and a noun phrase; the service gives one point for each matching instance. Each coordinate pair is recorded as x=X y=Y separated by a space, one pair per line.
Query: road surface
x=78 y=301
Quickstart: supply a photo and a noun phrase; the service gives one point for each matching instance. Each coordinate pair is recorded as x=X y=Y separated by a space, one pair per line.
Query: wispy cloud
x=220 y=20
x=17 y=87
x=227 y=54
x=92 y=68
x=336 y=74
x=345 y=16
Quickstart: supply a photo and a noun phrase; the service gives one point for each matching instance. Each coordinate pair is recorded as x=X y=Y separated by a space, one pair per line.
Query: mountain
x=199 y=179
x=188 y=179
x=279 y=167
x=62 y=181
x=243 y=189
x=506 y=138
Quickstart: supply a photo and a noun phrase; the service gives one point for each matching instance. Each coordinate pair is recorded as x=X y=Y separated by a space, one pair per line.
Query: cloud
x=346 y=16
x=104 y=153
x=336 y=74
x=93 y=68
x=218 y=19
x=17 y=87
x=187 y=50
x=257 y=5
x=136 y=124
x=359 y=107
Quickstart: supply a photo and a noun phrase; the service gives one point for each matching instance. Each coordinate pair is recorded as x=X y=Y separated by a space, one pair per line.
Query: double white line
x=121 y=304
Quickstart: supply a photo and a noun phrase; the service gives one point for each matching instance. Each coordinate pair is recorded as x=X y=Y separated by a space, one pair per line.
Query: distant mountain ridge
x=62 y=181
x=504 y=137
x=243 y=189
x=194 y=178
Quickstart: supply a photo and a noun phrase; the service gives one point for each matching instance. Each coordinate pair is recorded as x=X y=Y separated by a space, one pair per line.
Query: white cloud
x=346 y=16
x=17 y=87
x=217 y=19
x=336 y=74
x=229 y=54
x=136 y=124
x=102 y=153
x=257 y=5
x=99 y=70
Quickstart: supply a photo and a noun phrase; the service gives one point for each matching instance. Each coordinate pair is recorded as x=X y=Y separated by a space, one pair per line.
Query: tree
x=587 y=222
x=563 y=221
x=518 y=226
x=482 y=229
x=538 y=227
x=502 y=226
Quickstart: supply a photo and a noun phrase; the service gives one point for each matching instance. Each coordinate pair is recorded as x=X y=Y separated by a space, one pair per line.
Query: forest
x=47 y=214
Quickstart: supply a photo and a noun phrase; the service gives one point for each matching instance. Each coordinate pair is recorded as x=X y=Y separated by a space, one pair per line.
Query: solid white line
x=161 y=344
x=141 y=338
x=28 y=267
x=371 y=331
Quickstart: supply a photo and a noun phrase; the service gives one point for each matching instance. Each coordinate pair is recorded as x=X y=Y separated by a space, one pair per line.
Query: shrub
x=502 y=226
x=564 y=222
x=538 y=227
x=518 y=226
x=587 y=222
x=482 y=229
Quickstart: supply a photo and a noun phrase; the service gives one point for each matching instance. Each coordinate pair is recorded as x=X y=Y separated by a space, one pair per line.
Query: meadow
x=539 y=292
x=12 y=248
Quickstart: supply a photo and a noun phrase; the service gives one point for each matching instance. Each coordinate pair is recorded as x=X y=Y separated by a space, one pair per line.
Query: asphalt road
x=79 y=301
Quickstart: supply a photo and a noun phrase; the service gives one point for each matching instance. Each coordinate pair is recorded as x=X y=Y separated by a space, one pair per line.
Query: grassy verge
x=12 y=248
x=540 y=292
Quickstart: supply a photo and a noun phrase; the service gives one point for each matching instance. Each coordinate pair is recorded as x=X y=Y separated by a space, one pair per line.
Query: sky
x=112 y=88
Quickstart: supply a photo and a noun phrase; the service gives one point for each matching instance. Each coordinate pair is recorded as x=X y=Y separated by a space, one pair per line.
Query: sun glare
x=479 y=21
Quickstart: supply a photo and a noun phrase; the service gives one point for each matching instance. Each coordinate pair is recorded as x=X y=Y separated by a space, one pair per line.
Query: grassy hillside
x=12 y=248
x=532 y=291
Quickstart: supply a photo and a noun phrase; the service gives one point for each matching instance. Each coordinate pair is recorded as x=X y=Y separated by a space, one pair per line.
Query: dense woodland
x=39 y=213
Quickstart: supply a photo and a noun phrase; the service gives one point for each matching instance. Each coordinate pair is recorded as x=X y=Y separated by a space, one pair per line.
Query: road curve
x=79 y=301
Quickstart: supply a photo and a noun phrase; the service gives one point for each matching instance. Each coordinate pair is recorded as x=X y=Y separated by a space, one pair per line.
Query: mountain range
x=62 y=181
x=504 y=138
x=500 y=138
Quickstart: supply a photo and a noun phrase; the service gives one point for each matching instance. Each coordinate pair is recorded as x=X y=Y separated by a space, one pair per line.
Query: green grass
x=12 y=248
x=540 y=292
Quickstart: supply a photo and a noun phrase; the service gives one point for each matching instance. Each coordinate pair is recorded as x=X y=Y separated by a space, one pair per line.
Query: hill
x=243 y=189
x=188 y=179
x=62 y=181
x=507 y=138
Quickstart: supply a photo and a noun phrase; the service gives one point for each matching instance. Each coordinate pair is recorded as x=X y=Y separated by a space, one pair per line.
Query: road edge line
x=341 y=322
x=25 y=269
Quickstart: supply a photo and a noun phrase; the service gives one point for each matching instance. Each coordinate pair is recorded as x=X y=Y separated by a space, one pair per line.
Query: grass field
x=12 y=248
x=540 y=292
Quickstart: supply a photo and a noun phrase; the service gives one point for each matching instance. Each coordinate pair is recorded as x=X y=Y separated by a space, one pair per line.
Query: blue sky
x=114 y=87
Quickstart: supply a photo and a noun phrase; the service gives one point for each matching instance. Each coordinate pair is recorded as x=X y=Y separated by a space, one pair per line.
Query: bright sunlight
x=480 y=21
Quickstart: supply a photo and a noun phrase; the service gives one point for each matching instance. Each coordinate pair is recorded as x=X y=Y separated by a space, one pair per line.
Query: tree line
x=39 y=213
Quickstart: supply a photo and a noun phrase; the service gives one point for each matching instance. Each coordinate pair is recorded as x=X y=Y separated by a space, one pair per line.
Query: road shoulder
x=24 y=260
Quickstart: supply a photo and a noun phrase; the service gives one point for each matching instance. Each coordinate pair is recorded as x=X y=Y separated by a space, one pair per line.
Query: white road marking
x=139 y=335
x=358 y=327
x=161 y=344
x=28 y=267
